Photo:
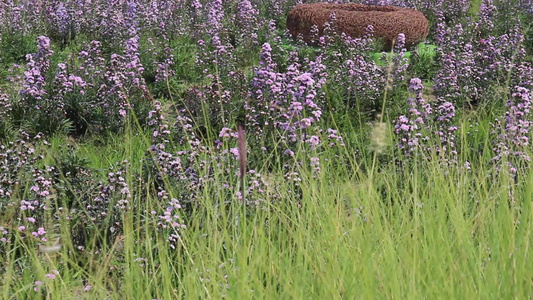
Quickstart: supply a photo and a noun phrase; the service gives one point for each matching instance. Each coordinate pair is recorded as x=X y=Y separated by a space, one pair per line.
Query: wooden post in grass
x=241 y=139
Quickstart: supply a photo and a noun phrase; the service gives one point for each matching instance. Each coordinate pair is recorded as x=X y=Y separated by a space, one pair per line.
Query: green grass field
x=352 y=218
x=423 y=232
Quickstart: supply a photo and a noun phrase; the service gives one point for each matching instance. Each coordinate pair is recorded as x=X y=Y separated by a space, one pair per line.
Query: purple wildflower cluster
x=19 y=166
x=214 y=17
x=414 y=130
x=285 y=101
x=30 y=190
x=472 y=66
x=122 y=80
x=165 y=66
x=185 y=170
x=113 y=21
x=36 y=68
x=367 y=79
x=512 y=142
x=485 y=22
x=89 y=90
x=111 y=200
x=5 y=105
x=60 y=21
x=170 y=219
x=409 y=127
x=398 y=65
x=527 y=6
x=348 y=61
x=248 y=23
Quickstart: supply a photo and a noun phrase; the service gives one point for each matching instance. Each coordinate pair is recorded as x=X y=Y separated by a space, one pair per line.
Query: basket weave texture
x=353 y=19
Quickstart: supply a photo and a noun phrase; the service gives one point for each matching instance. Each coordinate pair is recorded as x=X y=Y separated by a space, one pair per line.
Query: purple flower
x=415 y=85
x=36 y=68
x=513 y=141
x=289 y=153
x=37 y=284
x=248 y=23
x=400 y=41
x=214 y=17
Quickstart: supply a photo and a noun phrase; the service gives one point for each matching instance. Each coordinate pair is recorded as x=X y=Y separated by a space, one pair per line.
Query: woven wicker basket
x=353 y=19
